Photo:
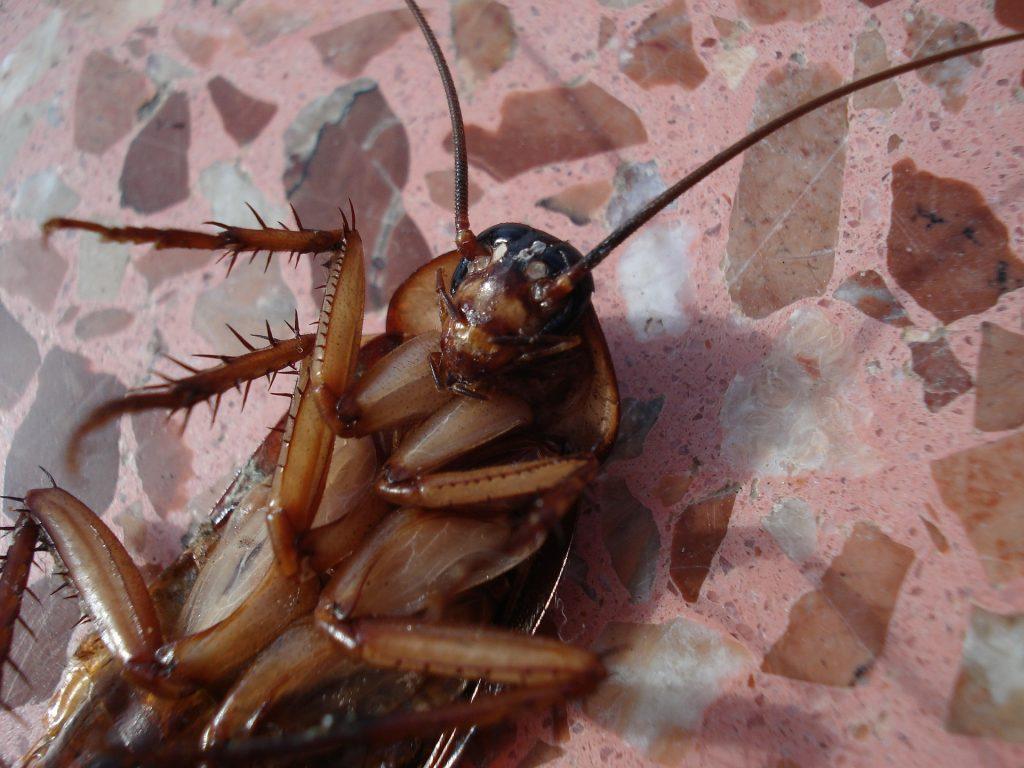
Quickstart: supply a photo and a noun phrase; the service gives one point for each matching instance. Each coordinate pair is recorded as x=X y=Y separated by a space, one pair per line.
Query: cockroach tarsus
x=480 y=416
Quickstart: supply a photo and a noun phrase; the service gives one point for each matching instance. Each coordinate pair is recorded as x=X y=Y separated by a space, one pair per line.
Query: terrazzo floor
x=807 y=548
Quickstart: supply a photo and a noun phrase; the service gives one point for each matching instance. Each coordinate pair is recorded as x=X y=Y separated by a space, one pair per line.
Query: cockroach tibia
x=370 y=587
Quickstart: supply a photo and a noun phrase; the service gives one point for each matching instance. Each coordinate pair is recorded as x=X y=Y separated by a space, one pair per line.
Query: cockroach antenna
x=465 y=240
x=617 y=237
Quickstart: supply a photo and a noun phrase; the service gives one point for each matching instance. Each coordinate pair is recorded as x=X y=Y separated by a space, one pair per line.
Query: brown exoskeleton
x=498 y=405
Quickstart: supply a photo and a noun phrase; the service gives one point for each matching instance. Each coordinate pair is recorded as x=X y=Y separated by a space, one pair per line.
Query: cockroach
x=374 y=576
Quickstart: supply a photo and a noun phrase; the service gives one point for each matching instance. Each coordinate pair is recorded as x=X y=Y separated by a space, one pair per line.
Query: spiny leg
x=110 y=586
x=337 y=337
x=232 y=240
x=202 y=385
x=301 y=473
x=286 y=591
x=308 y=439
x=13 y=585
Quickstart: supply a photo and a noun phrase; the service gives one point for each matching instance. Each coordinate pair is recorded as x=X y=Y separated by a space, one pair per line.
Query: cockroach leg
x=13 y=585
x=504 y=483
x=494 y=655
x=161 y=238
x=454 y=430
x=303 y=657
x=419 y=559
x=203 y=385
x=328 y=544
x=383 y=729
x=109 y=584
x=219 y=652
x=309 y=438
x=243 y=597
x=536 y=523
x=398 y=390
x=410 y=557
x=336 y=350
x=234 y=241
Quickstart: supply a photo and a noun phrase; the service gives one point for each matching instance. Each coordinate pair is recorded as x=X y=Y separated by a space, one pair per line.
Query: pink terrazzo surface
x=782 y=409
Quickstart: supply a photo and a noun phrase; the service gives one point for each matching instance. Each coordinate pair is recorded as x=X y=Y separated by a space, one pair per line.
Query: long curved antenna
x=612 y=241
x=464 y=238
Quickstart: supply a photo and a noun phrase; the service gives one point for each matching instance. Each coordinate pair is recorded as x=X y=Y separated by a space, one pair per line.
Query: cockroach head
x=527 y=268
x=518 y=291
x=522 y=292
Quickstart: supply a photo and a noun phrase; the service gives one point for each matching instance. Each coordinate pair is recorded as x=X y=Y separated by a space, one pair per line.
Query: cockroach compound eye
x=370 y=587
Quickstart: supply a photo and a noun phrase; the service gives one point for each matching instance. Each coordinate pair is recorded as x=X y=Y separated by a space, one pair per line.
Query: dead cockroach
x=328 y=612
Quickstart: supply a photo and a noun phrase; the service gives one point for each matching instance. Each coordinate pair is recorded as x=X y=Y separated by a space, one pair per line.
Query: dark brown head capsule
x=517 y=298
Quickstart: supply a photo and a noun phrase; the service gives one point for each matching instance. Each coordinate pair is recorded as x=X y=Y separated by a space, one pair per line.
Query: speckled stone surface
x=807 y=548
